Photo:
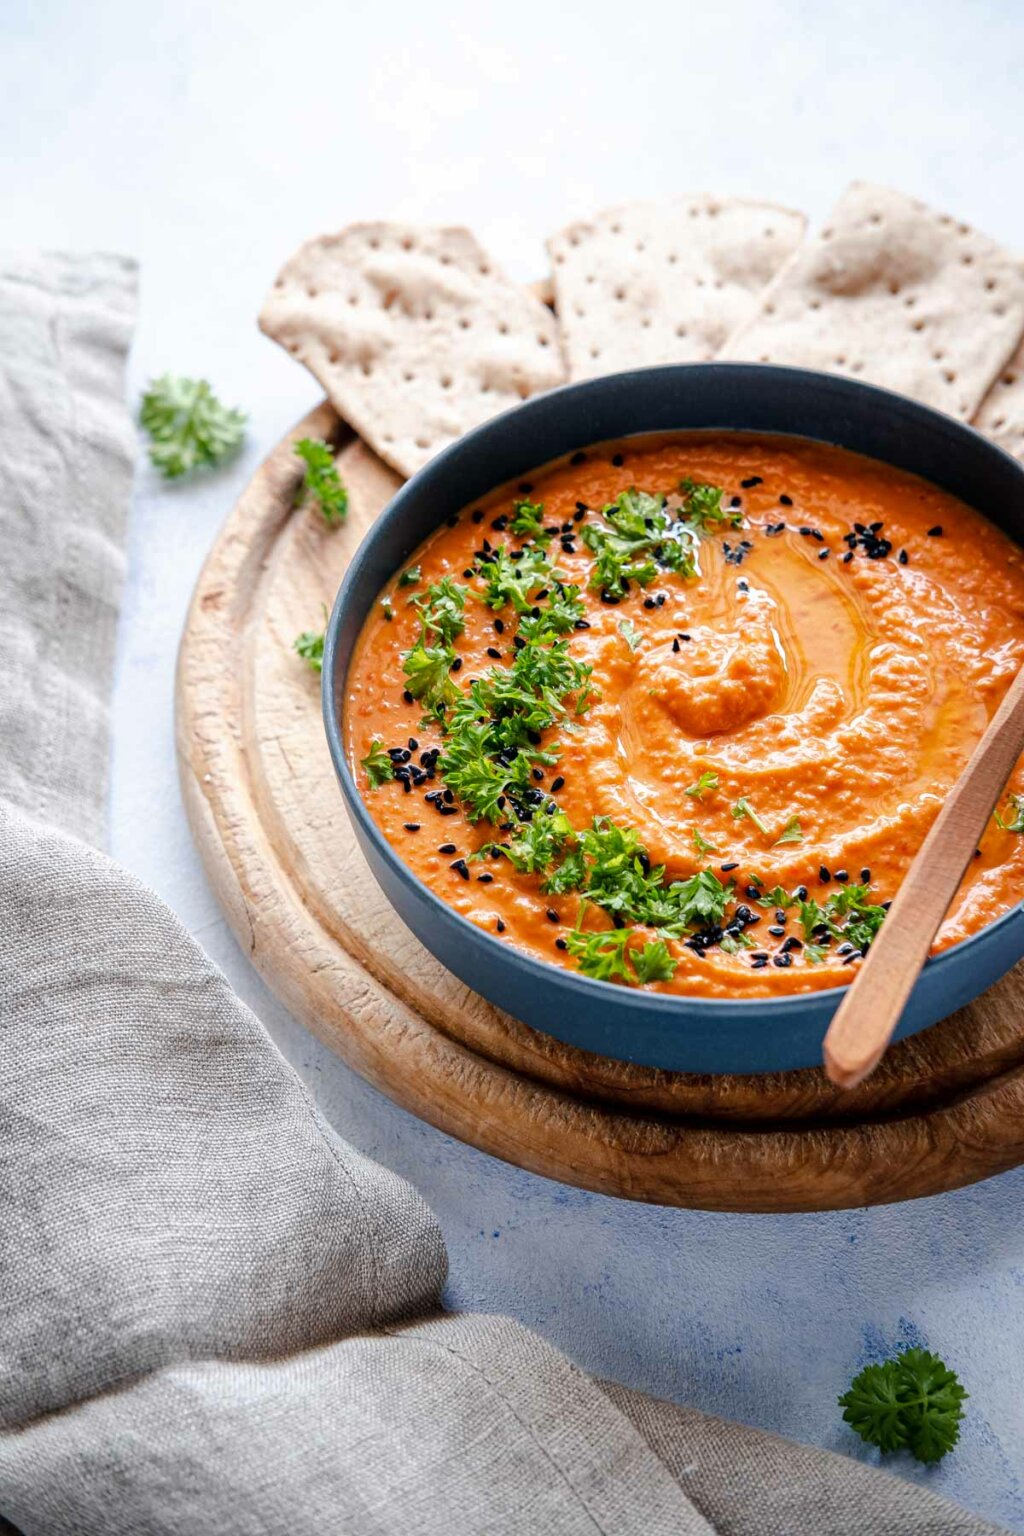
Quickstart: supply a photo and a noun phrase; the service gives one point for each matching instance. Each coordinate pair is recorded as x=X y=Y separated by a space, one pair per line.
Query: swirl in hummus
x=779 y=696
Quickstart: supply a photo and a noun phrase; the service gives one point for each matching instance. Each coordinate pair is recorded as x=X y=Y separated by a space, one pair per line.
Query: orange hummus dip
x=757 y=666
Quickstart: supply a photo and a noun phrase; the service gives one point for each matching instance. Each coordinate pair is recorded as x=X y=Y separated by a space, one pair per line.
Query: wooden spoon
x=864 y=1022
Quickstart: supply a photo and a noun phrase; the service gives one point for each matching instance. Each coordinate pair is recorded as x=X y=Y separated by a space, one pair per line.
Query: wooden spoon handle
x=864 y=1022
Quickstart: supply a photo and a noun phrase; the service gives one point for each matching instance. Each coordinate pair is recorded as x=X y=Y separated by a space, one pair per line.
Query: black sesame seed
x=780 y=914
x=823 y=554
x=782 y=961
x=478 y=516
x=561 y=944
x=447 y=810
x=551 y=915
x=751 y=482
x=824 y=876
x=785 y=501
x=538 y=774
x=494 y=653
x=499 y=626
x=758 y=962
x=500 y=926
x=618 y=459
x=675 y=646
x=683 y=636
x=848 y=557
x=753 y=891
x=936 y=532
x=648 y=602
x=485 y=879
x=447 y=848
x=804 y=533
x=414 y=745
x=776 y=931
x=556 y=784
x=841 y=875
x=578 y=458
x=451 y=521
x=659 y=601
x=461 y=868
x=457 y=664
x=791 y=943
x=407 y=696
x=865 y=877
x=725 y=868
x=736 y=501
x=902 y=557
x=412 y=826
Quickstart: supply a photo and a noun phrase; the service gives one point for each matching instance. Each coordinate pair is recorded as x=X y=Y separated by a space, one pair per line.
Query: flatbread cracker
x=667 y=282
x=895 y=293
x=414 y=334
x=1001 y=413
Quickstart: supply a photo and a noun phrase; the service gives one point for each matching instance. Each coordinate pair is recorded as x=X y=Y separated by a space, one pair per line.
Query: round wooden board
x=944 y=1109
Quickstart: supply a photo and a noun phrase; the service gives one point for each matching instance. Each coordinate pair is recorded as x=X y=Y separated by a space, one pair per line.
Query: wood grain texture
x=870 y=1011
x=943 y=1109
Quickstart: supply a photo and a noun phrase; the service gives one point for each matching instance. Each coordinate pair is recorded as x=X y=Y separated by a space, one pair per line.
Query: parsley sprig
x=378 y=764
x=850 y=915
x=913 y=1402
x=635 y=539
x=321 y=479
x=188 y=425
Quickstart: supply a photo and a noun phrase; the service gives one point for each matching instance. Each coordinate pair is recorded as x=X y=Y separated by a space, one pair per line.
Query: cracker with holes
x=414 y=334
x=1001 y=413
x=664 y=282
x=892 y=292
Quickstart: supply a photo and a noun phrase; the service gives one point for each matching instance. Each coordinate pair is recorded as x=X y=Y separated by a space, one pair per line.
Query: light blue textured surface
x=208 y=139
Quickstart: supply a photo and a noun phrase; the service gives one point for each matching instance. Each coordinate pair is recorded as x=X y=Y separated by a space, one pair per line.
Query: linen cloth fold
x=214 y=1314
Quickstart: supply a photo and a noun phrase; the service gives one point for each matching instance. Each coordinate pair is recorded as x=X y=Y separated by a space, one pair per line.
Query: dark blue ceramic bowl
x=685 y=1034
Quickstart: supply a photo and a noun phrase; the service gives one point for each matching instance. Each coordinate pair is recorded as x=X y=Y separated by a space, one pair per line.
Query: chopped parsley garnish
x=378 y=765
x=428 y=675
x=534 y=846
x=188 y=425
x=791 y=833
x=702 y=505
x=848 y=916
x=635 y=541
x=913 y=1402
x=322 y=480
x=410 y=576
x=707 y=782
x=744 y=808
x=559 y=615
x=610 y=956
x=701 y=843
x=441 y=608
x=630 y=634
x=515 y=577
x=527 y=519
x=1013 y=820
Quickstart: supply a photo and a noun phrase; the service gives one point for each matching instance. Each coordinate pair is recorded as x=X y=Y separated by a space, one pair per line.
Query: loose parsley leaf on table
x=188 y=425
x=913 y=1402
x=310 y=645
x=322 y=480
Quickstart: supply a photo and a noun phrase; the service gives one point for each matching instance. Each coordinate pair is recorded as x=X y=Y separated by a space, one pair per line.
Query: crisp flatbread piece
x=414 y=333
x=895 y=293
x=1001 y=413
x=664 y=282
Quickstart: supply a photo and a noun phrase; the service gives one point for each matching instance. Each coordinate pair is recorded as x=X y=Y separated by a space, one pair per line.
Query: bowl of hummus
x=643 y=696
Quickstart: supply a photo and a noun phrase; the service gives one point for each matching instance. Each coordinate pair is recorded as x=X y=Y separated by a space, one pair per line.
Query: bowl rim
x=676 y=1004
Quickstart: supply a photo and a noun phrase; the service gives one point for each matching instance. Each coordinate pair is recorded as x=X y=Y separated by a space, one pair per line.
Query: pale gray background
x=208 y=139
